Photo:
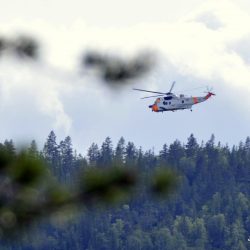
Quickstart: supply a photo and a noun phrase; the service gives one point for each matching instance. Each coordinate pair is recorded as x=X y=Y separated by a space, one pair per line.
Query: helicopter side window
x=182 y=101
x=168 y=98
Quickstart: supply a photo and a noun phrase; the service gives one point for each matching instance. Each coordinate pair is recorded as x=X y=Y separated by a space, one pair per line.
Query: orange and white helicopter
x=171 y=102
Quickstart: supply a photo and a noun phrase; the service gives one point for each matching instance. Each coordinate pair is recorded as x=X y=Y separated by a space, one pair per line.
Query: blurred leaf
x=57 y=196
x=107 y=185
x=163 y=181
x=26 y=47
x=117 y=70
x=93 y=59
x=5 y=158
x=3 y=44
x=7 y=218
x=27 y=170
x=65 y=215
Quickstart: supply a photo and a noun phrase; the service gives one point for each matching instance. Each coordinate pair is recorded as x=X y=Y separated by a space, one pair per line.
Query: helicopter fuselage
x=172 y=102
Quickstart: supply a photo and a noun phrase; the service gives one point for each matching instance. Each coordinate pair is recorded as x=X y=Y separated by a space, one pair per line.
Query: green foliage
x=26 y=170
x=103 y=185
x=163 y=181
x=208 y=210
x=28 y=191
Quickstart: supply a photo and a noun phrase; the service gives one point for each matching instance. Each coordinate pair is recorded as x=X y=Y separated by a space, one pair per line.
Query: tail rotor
x=209 y=91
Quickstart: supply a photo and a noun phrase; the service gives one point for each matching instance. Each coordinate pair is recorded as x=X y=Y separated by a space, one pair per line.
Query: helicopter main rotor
x=156 y=92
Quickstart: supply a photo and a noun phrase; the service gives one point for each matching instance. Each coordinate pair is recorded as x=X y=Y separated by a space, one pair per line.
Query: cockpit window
x=168 y=98
x=157 y=100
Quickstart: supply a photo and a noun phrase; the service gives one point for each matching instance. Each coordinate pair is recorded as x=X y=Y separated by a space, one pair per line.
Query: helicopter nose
x=155 y=108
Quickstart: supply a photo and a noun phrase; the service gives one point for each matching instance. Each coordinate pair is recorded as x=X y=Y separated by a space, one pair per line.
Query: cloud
x=26 y=92
x=203 y=46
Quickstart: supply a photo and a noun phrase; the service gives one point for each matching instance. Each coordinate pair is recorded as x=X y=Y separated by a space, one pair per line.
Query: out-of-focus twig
x=117 y=71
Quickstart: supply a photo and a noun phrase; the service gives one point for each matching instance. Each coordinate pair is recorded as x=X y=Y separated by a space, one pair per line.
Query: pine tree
x=51 y=153
x=106 y=156
x=150 y=160
x=93 y=154
x=66 y=153
x=9 y=146
x=131 y=155
x=163 y=154
x=175 y=152
x=33 y=150
x=216 y=228
x=210 y=142
x=192 y=147
x=119 y=152
x=140 y=159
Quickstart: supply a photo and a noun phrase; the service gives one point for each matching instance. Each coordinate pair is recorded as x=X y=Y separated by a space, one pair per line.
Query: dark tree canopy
x=208 y=210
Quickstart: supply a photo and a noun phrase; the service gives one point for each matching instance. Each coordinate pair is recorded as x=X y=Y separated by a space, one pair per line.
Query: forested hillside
x=210 y=208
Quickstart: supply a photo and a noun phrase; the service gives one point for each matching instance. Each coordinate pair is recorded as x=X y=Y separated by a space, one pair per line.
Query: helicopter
x=171 y=102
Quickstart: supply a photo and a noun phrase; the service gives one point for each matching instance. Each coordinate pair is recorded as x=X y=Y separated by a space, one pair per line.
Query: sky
x=197 y=43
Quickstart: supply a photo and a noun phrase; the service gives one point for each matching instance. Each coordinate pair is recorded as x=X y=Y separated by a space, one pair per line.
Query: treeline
x=209 y=210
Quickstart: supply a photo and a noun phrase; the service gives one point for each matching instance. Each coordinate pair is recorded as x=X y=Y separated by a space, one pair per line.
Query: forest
x=208 y=209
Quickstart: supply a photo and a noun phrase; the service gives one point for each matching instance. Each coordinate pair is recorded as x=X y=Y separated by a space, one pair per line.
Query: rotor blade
x=187 y=90
x=172 y=87
x=151 y=96
x=150 y=91
x=209 y=89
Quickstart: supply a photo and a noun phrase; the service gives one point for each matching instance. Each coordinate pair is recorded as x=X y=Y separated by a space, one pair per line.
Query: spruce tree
x=66 y=153
x=106 y=156
x=192 y=147
x=93 y=155
x=33 y=150
x=119 y=152
x=51 y=153
x=131 y=154
x=163 y=154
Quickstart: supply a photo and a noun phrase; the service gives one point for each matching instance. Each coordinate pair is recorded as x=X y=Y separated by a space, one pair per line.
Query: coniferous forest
x=209 y=208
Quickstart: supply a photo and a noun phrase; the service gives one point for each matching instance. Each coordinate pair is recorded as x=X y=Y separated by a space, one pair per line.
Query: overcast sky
x=198 y=43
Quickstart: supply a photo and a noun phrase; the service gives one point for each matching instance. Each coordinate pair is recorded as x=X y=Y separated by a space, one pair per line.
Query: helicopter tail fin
x=209 y=94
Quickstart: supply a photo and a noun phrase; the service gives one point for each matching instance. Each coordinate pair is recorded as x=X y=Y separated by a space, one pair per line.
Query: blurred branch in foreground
x=29 y=192
x=111 y=69
x=21 y=46
x=116 y=70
